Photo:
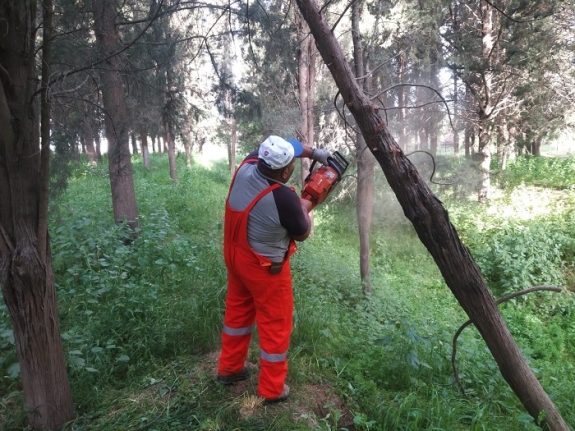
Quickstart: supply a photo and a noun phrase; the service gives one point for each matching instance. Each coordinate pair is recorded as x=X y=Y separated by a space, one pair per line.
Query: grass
x=141 y=322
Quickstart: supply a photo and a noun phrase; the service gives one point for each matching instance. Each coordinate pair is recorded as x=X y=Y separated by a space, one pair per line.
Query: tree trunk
x=402 y=101
x=433 y=227
x=455 y=117
x=116 y=118
x=435 y=117
x=365 y=162
x=306 y=75
x=134 y=143
x=98 y=142
x=170 y=107
x=486 y=104
x=168 y=129
x=25 y=260
x=536 y=147
x=188 y=149
x=304 y=39
x=145 y=150
x=233 y=144
x=88 y=138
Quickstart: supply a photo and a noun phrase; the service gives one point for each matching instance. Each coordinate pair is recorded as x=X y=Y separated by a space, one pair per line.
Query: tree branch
x=469 y=322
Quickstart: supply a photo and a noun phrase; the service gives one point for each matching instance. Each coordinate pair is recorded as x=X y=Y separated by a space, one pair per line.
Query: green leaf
x=14 y=370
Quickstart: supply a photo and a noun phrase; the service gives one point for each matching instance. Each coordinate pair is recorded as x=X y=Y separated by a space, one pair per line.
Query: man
x=263 y=219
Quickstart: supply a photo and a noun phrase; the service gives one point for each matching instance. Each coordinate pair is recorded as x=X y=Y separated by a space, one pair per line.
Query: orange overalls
x=255 y=295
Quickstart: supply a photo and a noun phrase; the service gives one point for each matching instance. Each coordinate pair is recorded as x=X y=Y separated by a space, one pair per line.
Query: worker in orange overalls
x=263 y=219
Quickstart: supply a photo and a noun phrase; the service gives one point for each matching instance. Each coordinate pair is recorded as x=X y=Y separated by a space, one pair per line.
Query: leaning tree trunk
x=25 y=261
x=116 y=118
x=433 y=227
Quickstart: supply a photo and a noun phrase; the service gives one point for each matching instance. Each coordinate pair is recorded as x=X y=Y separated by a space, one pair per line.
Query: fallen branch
x=469 y=322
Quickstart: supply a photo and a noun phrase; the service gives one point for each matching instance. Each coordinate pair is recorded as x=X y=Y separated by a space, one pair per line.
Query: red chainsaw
x=320 y=182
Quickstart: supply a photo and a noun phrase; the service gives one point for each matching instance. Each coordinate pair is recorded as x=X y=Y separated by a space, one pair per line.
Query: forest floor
x=307 y=402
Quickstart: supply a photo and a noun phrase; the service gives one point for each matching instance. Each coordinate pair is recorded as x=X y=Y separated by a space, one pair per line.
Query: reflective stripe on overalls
x=255 y=295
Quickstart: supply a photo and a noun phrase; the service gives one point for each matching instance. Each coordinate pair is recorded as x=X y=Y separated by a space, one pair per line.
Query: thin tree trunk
x=433 y=227
x=116 y=120
x=484 y=152
x=88 y=138
x=171 y=148
x=402 y=101
x=134 y=143
x=455 y=117
x=233 y=144
x=26 y=276
x=169 y=109
x=365 y=163
x=98 y=144
x=188 y=149
x=306 y=73
x=145 y=150
x=304 y=38
x=434 y=117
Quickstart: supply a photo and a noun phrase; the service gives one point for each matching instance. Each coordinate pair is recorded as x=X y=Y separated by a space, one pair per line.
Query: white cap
x=277 y=152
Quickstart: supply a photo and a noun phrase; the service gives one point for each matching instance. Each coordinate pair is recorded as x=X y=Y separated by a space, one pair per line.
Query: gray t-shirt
x=274 y=219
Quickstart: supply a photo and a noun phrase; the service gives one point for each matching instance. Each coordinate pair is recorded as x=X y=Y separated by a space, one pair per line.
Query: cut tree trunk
x=433 y=227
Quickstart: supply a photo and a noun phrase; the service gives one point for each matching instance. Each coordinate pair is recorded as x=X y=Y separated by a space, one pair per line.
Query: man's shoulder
x=286 y=197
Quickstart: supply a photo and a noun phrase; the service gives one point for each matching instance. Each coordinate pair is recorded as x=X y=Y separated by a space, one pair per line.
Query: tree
x=365 y=160
x=26 y=264
x=434 y=229
x=116 y=119
x=500 y=52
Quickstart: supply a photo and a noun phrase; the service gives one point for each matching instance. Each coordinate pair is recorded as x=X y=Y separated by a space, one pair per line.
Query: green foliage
x=551 y=172
x=514 y=256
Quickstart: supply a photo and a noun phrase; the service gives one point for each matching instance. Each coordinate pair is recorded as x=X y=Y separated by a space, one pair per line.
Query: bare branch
x=469 y=322
x=419 y=85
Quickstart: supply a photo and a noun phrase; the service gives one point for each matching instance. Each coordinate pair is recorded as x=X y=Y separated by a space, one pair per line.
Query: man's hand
x=321 y=155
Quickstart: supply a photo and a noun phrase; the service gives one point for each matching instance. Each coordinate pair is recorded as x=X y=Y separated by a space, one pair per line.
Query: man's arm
x=306 y=207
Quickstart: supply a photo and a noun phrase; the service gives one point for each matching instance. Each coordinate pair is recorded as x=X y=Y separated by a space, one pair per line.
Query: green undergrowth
x=141 y=318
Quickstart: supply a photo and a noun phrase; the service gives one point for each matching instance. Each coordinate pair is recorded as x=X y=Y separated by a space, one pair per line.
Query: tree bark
x=88 y=137
x=365 y=163
x=116 y=118
x=25 y=261
x=170 y=107
x=402 y=101
x=455 y=117
x=134 y=143
x=187 y=148
x=145 y=150
x=97 y=141
x=306 y=85
x=433 y=227
x=486 y=107
x=303 y=51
